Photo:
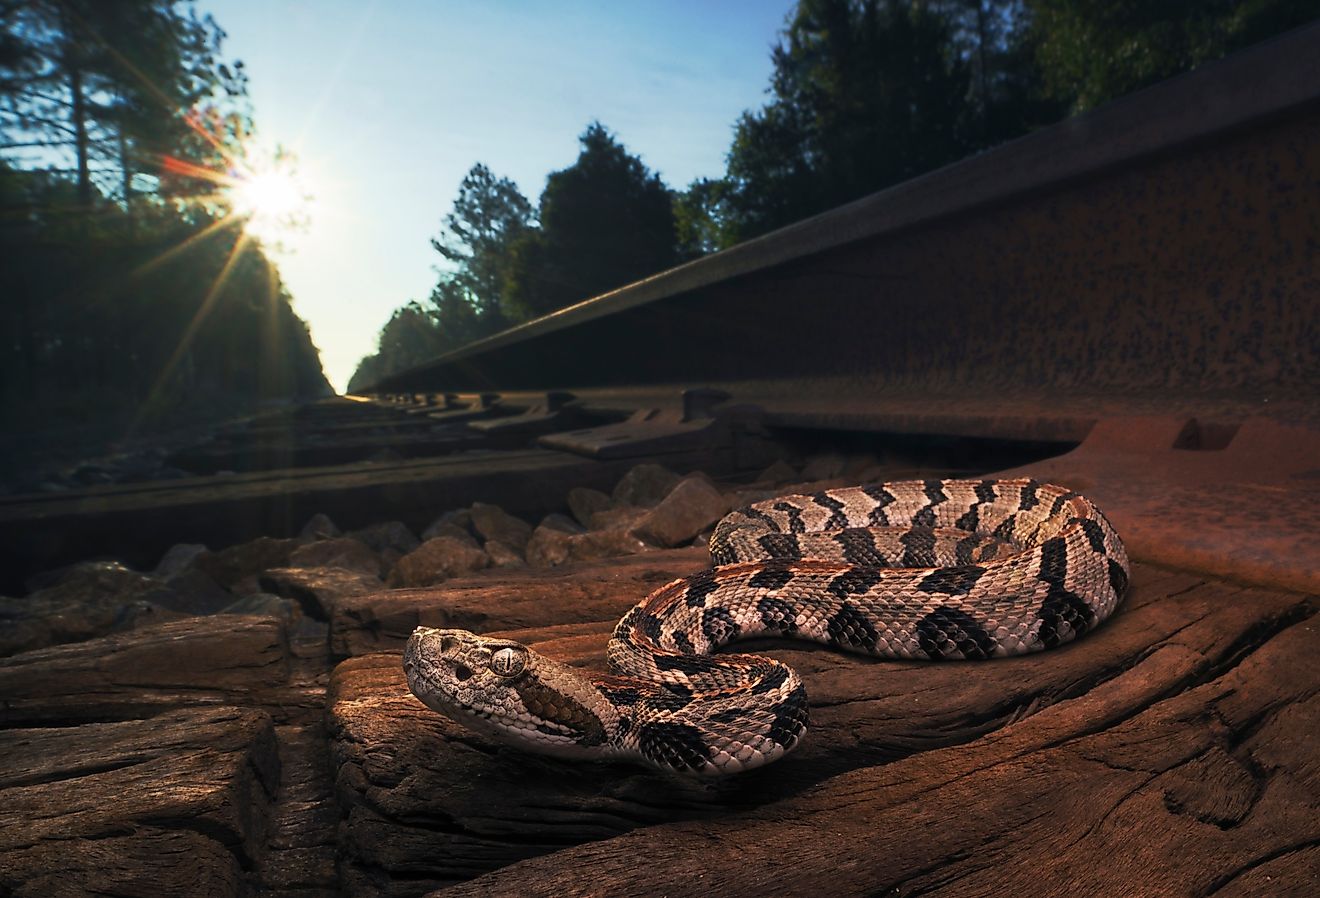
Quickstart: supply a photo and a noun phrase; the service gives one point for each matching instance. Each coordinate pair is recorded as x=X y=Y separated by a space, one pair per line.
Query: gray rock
x=387 y=536
x=229 y=567
x=442 y=527
x=266 y=605
x=436 y=560
x=779 y=472
x=504 y=555
x=194 y=592
x=176 y=558
x=562 y=523
x=645 y=485
x=585 y=502
x=493 y=522
x=341 y=552
x=551 y=545
x=458 y=517
x=319 y=527
x=596 y=544
x=691 y=507
x=91 y=599
x=621 y=517
x=548 y=547
x=824 y=466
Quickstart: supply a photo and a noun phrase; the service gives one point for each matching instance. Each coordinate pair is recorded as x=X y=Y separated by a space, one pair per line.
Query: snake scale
x=923 y=569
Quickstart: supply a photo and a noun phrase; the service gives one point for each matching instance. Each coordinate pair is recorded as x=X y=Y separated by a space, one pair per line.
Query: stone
x=436 y=560
x=621 y=517
x=691 y=507
x=193 y=592
x=387 y=537
x=645 y=485
x=341 y=552
x=778 y=472
x=559 y=540
x=504 y=555
x=493 y=522
x=824 y=466
x=584 y=502
x=230 y=566
x=562 y=523
x=549 y=546
x=177 y=558
x=459 y=517
x=318 y=589
x=451 y=530
x=319 y=526
x=596 y=544
x=90 y=600
x=265 y=604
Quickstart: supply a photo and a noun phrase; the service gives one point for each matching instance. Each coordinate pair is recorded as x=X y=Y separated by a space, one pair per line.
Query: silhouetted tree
x=488 y=216
x=865 y=94
x=701 y=223
x=605 y=221
x=115 y=312
x=112 y=85
x=410 y=337
x=1092 y=51
x=1004 y=98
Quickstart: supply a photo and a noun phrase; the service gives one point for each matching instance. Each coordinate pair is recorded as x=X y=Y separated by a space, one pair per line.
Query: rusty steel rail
x=1155 y=256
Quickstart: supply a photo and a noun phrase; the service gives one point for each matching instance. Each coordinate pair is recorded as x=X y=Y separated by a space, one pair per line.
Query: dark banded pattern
x=933 y=569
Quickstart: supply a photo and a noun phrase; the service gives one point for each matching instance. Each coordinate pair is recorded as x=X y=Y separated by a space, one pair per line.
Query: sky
x=388 y=104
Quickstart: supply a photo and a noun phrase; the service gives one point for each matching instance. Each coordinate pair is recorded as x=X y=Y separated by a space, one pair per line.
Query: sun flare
x=272 y=201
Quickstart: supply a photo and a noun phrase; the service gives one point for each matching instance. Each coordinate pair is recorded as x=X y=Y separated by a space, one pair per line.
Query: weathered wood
x=1211 y=789
x=195 y=661
x=426 y=801
x=506 y=599
x=301 y=846
x=180 y=801
x=150 y=861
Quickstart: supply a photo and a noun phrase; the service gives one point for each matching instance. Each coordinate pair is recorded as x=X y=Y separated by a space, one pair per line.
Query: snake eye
x=508 y=662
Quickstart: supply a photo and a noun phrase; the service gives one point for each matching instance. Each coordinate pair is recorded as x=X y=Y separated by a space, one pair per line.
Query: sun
x=271 y=199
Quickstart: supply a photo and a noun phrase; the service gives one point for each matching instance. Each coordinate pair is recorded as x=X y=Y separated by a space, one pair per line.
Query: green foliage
x=605 y=221
x=489 y=215
x=1093 y=51
x=122 y=307
x=701 y=219
x=119 y=326
x=865 y=94
x=111 y=89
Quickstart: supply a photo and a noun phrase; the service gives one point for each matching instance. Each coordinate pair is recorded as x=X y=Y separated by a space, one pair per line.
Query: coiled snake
x=938 y=569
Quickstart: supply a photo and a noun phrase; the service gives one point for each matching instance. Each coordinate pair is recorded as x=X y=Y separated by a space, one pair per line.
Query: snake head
x=502 y=689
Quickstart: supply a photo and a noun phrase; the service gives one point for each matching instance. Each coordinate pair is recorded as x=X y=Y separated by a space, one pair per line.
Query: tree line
x=129 y=293
x=863 y=94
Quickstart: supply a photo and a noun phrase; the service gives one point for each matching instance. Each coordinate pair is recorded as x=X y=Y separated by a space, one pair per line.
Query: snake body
x=933 y=569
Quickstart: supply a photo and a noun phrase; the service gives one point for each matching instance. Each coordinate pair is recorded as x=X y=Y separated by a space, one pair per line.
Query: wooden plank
x=194 y=784
x=441 y=805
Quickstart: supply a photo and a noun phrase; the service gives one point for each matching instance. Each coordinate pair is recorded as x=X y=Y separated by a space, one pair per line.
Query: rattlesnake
x=938 y=569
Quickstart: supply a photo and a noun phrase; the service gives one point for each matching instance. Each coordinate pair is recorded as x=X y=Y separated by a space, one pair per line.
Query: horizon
x=362 y=97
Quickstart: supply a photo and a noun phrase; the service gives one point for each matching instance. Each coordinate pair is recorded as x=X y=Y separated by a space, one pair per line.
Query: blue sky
x=388 y=104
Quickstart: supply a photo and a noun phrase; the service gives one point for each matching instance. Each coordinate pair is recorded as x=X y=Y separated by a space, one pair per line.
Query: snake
x=921 y=569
